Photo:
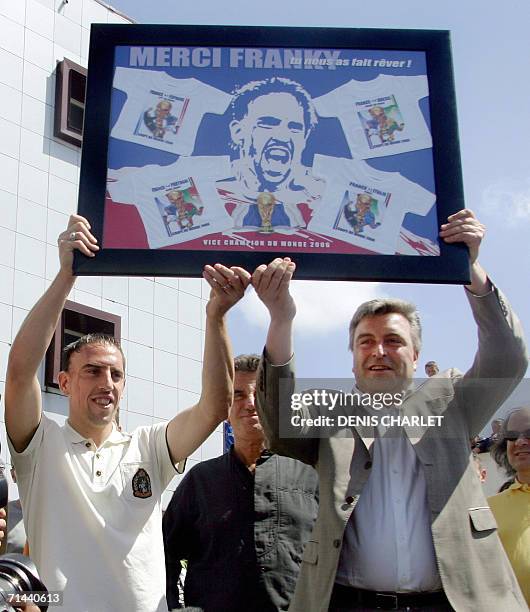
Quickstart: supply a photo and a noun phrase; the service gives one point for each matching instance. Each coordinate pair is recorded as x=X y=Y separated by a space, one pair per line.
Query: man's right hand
x=272 y=286
x=77 y=236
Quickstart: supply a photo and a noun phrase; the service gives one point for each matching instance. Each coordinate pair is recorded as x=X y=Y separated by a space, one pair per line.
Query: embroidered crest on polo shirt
x=141 y=484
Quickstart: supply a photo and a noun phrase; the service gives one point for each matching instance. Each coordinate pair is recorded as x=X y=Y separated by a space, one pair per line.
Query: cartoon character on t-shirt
x=179 y=211
x=159 y=119
x=383 y=124
x=359 y=214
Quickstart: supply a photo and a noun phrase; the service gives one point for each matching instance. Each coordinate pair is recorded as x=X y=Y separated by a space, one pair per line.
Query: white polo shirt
x=93 y=515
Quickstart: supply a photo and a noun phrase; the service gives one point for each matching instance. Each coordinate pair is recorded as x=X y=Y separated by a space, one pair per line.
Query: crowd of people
x=292 y=517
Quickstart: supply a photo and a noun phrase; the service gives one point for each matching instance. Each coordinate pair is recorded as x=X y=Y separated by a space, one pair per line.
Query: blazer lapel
x=429 y=399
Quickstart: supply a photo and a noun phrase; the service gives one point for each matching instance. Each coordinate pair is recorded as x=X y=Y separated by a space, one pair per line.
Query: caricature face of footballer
x=363 y=202
x=271 y=137
x=376 y=111
x=175 y=197
x=162 y=109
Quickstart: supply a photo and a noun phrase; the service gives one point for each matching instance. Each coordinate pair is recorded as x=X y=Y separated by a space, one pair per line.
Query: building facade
x=160 y=320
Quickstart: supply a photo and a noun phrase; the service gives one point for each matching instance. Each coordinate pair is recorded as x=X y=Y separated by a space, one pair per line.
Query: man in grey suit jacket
x=403 y=522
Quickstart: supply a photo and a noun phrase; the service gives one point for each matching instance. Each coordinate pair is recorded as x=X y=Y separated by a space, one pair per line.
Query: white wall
x=162 y=319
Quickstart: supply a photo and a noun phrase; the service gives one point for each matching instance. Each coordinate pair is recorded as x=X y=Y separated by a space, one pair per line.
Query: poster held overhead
x=336 y=147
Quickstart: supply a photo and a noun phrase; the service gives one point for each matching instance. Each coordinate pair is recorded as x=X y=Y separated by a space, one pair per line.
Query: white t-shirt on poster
x=177 y=203
x=163 y=112
x=363 y=206
x=380 y=117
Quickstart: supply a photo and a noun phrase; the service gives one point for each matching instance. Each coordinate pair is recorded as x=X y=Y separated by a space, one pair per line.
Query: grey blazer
x=475 y=572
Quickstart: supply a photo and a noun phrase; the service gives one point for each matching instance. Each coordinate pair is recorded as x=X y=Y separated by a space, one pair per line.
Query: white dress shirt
x=388 y=542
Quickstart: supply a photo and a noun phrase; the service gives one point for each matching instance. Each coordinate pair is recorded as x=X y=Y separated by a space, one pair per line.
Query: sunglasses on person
x=515 y=435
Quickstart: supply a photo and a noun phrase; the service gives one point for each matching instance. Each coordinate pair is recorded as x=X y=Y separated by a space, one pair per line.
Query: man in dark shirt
x=241 y=520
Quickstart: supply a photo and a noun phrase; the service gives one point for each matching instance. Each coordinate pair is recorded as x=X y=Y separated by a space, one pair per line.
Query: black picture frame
x=450 y=264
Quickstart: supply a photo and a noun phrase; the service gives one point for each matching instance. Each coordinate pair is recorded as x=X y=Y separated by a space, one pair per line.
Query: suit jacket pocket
x=482 y=518
x=310 y=553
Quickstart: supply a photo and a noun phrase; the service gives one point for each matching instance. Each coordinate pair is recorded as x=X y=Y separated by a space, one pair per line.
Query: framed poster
x=335 y=147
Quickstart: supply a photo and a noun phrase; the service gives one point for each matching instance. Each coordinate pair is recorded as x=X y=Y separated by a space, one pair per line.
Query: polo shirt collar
x=115 y=437
x=522 y=486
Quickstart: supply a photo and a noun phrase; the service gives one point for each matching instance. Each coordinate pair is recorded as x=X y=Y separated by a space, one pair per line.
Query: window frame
x=64 y=71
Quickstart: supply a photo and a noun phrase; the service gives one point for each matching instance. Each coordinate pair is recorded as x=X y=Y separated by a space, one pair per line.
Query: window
x=76 y=321
x=70 y=90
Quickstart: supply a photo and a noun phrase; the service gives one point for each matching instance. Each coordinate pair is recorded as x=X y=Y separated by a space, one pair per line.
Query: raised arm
x=501 y=351
x=272 y=286
x=501 y=359
x=189 y=428
x=22 y=392
x=277 y=368
x=464 y=227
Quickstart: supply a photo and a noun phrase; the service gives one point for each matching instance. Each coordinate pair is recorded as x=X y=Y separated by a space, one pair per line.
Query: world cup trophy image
x=266 y=203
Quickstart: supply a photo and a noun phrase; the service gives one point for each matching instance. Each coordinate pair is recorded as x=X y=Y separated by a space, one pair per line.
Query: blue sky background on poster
x=319 y=72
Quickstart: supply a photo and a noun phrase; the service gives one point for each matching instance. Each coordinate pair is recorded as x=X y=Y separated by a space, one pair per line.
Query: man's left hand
x=464 y=227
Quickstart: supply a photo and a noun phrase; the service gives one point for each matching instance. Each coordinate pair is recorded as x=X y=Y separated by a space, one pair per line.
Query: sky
x=491 y=61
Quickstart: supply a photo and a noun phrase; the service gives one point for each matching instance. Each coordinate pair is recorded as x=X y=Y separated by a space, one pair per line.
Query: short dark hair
x=244 y=95
x=499 y=450
x=247 y=363
x=98 y=338
x=383 y=306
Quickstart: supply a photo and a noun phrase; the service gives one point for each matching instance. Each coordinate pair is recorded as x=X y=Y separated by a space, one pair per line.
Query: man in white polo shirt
x=92 y=494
